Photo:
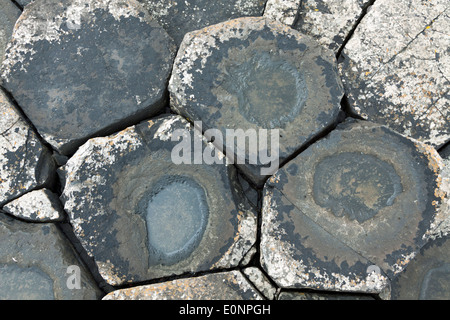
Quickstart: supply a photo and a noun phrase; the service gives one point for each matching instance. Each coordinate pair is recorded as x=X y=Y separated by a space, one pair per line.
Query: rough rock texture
x=396 y=68
x=252 y=74
x=25 y=164
x=217 y=286
x=427 y=277
x=37 y=206
x=372 y=200
x=9 y=14
x=141 y=216
x=72 y=90
x=34 y=264
x=284 y=11
x=180 y=17
x=329 y=21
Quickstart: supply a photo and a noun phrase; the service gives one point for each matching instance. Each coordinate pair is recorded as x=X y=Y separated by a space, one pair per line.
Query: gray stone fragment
x=37 y=262
x=284 y=11
x=351 y=211
x=261 y=282
x=230 y=285
x=37 y=206
x=9 y=14
x=181 y=17
x=329 y=21
x=25 y=164
x=396 y=70
x=72 y=89
x=141 y=216
x=253 y=74
x=427 y=277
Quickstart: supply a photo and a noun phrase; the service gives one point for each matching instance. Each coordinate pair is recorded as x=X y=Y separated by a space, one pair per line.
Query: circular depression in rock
x=355 y=184
x=176 y=216
x=270 y=91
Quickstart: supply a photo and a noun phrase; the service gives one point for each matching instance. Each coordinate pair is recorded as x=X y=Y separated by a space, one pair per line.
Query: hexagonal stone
x=230 y=285
x=253 y=74
x=71 y=89
x=25 y=164
x=396 y=66
x=37 y=262
x=9 y=14
x=427 y=277
x=330 y=21
x=351 y=211
x=180 y=17
x=37 y=206
x=141 y=216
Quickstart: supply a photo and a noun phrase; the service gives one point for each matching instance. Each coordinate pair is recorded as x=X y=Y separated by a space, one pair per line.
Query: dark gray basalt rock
x=9 y=14
x=141 y=216
x=71 y=89
x=37 y=262
x=253 y=74
x=25 y=164
x=350 y=212
x=427 y=277
x=181 y=17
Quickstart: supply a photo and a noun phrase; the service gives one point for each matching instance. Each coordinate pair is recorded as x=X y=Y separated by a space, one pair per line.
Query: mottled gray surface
x=230 y=285
x=396 y=68
x=34 y=259
x=119 y=192
x=72 y=90
x=181 y=17
x=252 y=74
x=373 y=198
x=25 y=164
x=9 y=14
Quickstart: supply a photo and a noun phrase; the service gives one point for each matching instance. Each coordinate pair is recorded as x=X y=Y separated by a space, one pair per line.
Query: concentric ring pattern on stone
x=141 y=216
x=255 y=73
x=362 y=199
x=71 y=89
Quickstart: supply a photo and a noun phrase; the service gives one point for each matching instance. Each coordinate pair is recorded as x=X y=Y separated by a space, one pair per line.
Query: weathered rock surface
x=329 y=21
x=9 y=14
x=25 y=164
x=427 y=277
x=230 y=285
x=351 y=211
x=141 y=216
x=396 y=68
x=34 y=264
x=181 y=17
x=284 y=11
x=72 y=90
x=254 y=73
x=37 y=206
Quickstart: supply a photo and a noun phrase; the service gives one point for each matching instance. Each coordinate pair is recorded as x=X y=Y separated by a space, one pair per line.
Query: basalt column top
x=82 y=68
x=255 y=73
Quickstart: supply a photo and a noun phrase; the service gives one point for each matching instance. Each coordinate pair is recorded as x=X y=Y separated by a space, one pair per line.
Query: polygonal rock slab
x=37 y=262
x=351 y=211
x=230 y=285
x=180 y=17
x=9 y=14
x=396 y=66
x=329 y=21
x=36 y=206
x=427 y=277
x=254 y=73
x=142 y=216
x=25 y=164
x=82 y=68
